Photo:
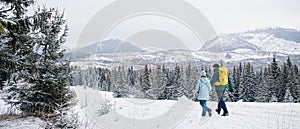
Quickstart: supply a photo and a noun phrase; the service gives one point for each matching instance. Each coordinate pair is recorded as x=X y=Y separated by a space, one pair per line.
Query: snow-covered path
x=242 y=115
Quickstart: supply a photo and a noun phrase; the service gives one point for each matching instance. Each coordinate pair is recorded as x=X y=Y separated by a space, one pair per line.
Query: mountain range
x=255 y=45
x=108 y=46
x=281 y=40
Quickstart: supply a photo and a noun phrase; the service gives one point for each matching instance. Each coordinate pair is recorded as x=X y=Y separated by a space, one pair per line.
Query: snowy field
x=161 y=114
x=242 y=115
x=21 y=123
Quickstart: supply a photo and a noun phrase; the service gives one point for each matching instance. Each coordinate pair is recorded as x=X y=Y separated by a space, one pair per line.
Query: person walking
x=203 y=88
x=220 y=80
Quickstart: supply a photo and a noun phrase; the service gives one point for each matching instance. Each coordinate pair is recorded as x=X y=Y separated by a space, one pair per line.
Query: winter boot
x=218 y=111
x=225 y=113
x=209 y=112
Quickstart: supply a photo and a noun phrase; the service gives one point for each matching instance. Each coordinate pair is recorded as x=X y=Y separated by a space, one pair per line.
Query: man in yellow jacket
x=220 y=87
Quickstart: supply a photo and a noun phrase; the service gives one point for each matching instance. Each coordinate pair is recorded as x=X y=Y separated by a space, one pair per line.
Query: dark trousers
x=221 y=104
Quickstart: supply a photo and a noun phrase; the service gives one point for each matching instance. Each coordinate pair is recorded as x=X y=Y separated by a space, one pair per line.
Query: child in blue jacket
x=203 y=88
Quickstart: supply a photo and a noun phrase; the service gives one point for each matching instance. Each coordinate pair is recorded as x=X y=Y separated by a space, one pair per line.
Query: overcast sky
x=226 y=16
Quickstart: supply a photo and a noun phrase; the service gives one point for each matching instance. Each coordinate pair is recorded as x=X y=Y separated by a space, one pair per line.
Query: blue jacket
x=202 y=88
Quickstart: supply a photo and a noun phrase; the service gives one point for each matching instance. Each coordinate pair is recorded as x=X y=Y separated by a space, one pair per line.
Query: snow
x=182 y=114
x=23 y=123
x=136 y=111
x=3 y=107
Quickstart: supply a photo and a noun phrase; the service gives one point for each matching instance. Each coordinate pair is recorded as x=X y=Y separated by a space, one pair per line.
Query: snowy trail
x=242 y=115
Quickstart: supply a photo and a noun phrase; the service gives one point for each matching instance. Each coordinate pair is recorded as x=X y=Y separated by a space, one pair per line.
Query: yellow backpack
x=223 y=77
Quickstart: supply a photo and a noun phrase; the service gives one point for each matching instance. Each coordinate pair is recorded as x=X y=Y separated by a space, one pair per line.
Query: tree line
x=272 y=83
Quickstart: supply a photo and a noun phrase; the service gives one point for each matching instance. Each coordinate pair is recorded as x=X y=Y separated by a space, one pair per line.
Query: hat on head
x=202 y=74
x=216 y=65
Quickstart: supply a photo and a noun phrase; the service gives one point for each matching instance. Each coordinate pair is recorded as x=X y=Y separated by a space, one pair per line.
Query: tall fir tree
x=15 y=38
x=40 y=74
x=132 y=79
x=236 y=82
x=260 y=97
x=247 y=93
x=158 y=84
x=146 y=84
x=268 y=85
x=169 y=76
x=284 y=79
x=121 y=86
x=165 y=72
x=275 y=81
x=240 y=82
x=296 y=88
x=190 y=80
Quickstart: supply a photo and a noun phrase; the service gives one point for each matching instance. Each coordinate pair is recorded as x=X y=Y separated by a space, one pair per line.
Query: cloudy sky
x=225 y=16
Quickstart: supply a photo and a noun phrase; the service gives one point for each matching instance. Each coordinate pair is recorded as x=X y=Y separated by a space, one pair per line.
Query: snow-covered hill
x=107 y=46
x=279 y=40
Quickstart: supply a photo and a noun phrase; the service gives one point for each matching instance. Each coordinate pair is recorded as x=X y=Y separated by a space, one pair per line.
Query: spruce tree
x=132 y=79
x=248 y=91
x=15 y=38
x=236 y=82
x=146 y=84
x=268 y=84
x=261 y=88
x=40 y=74
x=121 y=86
x=240 y=82
x=275 y=81
x=283 y=86
x=296 y=88
x=178 y=83
x=190 y=81
x=169 y=91
x=158 y=84
x=165 y=74
x=101 y=78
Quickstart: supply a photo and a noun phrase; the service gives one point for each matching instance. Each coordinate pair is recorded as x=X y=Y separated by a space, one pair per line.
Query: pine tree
x=296 y=88
x=236 y=82
x=38 y=85
x=289 y=63
x=190 y=81
x=292 y=81
x=165 y=74
x=240 y=82
x=178 y=83
x=284 y=79
x=15 y=38
x=288 y=96
x=101 y=79
x=261 y=88
x=158 y=84
x=121 y=86
x=275 y=81
x=169 y=90
x=268 y=84
x=146 y=84
x=109 y=81
x=248 y=91
x=131 y=77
